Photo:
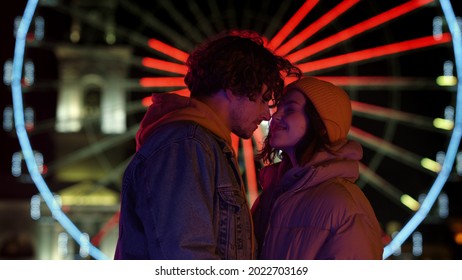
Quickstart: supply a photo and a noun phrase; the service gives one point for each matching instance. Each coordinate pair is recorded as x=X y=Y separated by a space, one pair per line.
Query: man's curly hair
x=239 y=61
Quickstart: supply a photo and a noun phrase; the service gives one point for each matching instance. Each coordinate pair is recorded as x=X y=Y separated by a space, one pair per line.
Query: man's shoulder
x=183 y=128
x=179 y=131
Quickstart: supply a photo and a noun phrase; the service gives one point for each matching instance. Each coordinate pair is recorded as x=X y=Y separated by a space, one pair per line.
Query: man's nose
x=266 y=113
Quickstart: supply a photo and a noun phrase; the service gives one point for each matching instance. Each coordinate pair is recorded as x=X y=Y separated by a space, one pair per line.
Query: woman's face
x=289 y=123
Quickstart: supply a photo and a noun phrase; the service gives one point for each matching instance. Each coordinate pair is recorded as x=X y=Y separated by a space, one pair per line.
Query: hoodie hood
x=169 y=107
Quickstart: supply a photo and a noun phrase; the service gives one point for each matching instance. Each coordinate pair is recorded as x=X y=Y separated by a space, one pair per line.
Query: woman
x=310 y=207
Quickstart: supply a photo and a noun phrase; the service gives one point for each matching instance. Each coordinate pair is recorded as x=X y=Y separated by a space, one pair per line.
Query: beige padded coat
x=316 y=211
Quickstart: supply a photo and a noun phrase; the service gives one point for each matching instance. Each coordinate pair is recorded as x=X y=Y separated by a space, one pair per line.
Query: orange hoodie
x=169 y=107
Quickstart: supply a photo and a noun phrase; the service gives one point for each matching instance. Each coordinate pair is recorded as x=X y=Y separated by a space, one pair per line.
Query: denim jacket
x=183 y=198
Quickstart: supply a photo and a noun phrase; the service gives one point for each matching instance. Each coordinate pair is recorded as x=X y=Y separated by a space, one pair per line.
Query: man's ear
x=229 y=95
x=225 y=94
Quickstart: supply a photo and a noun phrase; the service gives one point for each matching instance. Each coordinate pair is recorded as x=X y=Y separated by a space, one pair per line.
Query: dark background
x=424 y=101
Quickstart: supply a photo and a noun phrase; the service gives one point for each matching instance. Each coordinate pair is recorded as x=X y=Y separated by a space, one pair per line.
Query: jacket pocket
x=232 y=198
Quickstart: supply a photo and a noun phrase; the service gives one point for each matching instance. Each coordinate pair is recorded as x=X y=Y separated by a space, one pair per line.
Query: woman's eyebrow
x=289 y=102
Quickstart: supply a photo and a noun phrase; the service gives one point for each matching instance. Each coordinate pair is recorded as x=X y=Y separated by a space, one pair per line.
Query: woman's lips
x=277 y=127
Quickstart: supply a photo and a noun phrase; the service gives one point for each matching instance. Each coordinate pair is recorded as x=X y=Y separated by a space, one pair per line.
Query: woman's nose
x=276 y=116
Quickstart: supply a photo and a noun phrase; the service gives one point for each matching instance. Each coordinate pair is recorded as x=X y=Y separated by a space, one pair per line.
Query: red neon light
x=235 y=143
x=183 y=92
x=315 y=27
x=252 y=188
x=164 y=65
x=368 y=80
x=168 y=50
x=163 y=82
x=44 y=170
x=372 y=53
x=108 y=226
x=289 y=80
x=292 y=23
x=357 y=29
x=147 y=101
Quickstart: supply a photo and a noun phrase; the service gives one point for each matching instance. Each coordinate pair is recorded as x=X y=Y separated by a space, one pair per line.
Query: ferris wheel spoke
x=92 y=150
x=382 y=113
x=378 y=144
x=391 y=192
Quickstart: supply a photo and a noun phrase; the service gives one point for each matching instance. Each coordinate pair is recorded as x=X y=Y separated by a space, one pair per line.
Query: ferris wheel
x=400 y=61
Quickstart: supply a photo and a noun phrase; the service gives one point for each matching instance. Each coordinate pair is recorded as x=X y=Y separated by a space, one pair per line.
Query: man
x=183 y=195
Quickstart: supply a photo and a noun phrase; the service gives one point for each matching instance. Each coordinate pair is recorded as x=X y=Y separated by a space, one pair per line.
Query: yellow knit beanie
x=332 y=103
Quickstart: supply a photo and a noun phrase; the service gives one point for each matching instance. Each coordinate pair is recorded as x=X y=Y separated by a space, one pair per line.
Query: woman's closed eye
x=289 y=109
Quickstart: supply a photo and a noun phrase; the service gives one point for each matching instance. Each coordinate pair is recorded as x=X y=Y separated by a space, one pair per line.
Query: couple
x=183 y=196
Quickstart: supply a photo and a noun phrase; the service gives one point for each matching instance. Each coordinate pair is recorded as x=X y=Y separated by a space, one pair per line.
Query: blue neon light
x=24 y=140
x=454 y=142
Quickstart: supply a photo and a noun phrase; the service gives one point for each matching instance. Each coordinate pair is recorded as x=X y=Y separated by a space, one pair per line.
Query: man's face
x=246 y=115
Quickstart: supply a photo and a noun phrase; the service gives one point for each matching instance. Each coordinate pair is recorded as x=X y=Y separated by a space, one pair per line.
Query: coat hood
x=169 y=107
